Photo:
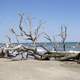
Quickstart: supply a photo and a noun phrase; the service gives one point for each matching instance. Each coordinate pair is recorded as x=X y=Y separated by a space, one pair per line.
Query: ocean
x=74 y=46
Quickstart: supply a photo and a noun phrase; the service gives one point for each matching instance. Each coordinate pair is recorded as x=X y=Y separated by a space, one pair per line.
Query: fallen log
x=69 y=57
x=1 y=53
x=20 y=48
x=58 y=55
x=48 y=55
x=61 y=55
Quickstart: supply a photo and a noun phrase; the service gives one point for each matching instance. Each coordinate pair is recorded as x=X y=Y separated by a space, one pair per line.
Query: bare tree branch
x=13 y=31
x=48 y=37
x=9 y=39
x=30 y=24
x=63 y=35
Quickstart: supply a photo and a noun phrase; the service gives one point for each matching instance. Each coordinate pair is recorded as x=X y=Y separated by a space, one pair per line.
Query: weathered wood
x=58 y=55
x=64 y=56
x=71 y=57
x=1 y=53
x=20 y=48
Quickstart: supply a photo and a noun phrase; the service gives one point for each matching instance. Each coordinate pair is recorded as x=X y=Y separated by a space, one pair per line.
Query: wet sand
x=38 y=70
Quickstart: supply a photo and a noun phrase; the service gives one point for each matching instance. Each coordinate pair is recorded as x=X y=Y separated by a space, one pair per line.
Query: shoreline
x=38 y=70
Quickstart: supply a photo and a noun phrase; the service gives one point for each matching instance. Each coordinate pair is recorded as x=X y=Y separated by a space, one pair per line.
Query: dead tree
x=52 y=41
x=13 y=31
x=32 y=35
x=9 y=39
x=63 y=36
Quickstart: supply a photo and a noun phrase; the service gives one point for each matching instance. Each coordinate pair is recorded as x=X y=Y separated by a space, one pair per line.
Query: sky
x=53 y=12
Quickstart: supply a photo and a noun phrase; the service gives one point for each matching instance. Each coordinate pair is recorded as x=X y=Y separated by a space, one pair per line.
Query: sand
x=38 y=70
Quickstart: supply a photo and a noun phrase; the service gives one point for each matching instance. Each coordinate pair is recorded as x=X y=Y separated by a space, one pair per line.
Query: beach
x=38 y=70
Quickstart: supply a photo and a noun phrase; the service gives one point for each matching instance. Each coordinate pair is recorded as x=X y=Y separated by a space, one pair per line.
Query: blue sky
x=53 y=12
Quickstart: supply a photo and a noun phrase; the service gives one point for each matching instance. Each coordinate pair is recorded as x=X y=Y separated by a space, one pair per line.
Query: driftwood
x=21 y=49
x=58 y=55
x=1 y=53
x=69 y=57
x=62 y=56
x=54 y=54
